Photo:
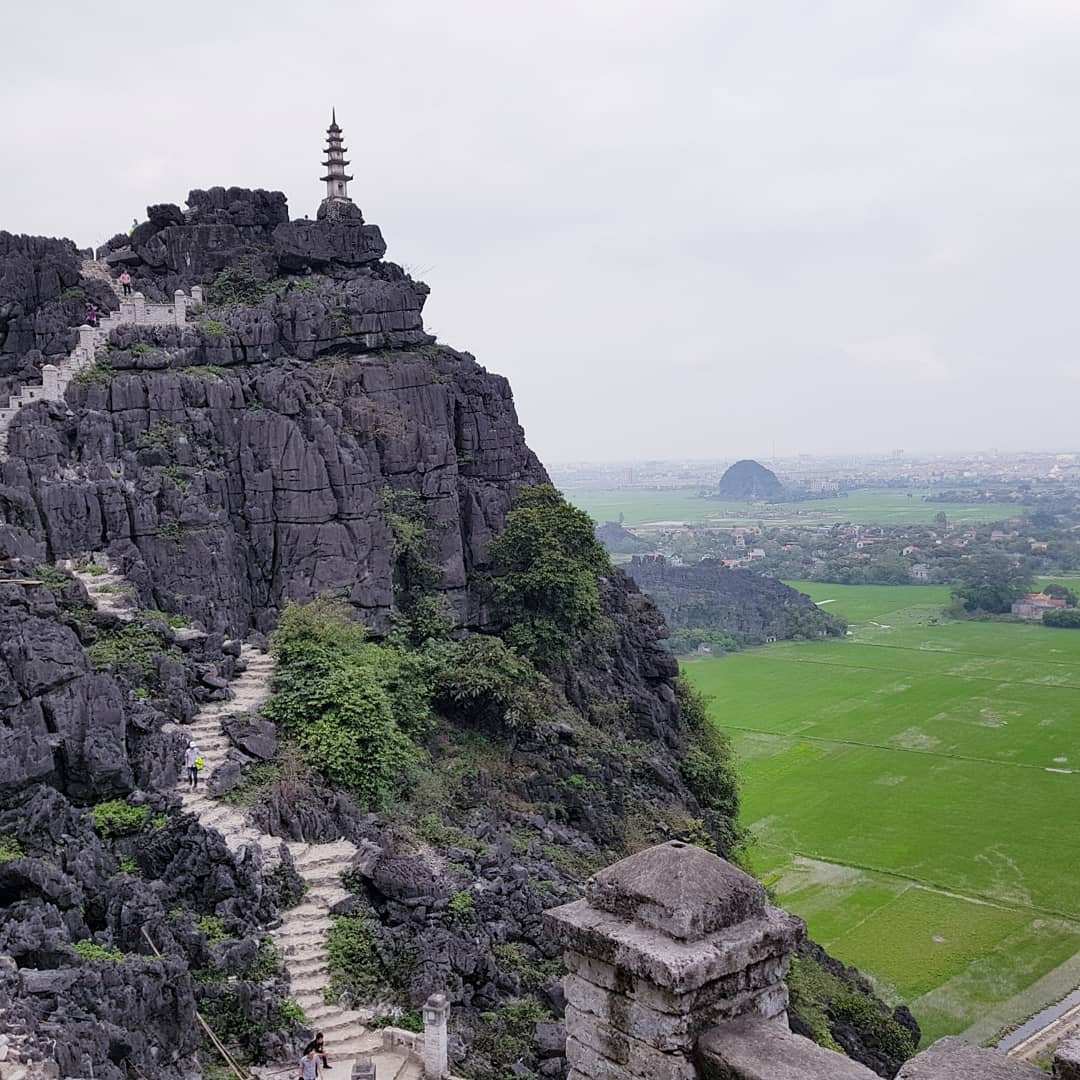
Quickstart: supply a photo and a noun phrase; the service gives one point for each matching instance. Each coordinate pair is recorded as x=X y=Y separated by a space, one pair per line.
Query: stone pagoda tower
x=337 y=180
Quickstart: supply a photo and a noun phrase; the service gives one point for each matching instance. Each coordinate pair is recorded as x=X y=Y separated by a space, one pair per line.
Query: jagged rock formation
x=216 y=471
x=747 y=479
x=709 y=596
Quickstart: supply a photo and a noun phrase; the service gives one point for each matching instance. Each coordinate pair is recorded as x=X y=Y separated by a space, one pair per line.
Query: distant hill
x=747 y=479
x=619 y=541
x=707 y=603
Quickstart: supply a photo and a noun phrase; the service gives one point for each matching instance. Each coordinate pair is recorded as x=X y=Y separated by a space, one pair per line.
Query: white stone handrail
x=134 y=311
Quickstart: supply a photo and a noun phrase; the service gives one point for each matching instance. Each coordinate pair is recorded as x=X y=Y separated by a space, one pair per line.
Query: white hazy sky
x=688 y=228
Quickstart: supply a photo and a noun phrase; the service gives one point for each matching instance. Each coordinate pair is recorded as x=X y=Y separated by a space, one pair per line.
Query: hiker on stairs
x=125 y=281
x=309 y=1065
x=192 y=763
x=318 y=1046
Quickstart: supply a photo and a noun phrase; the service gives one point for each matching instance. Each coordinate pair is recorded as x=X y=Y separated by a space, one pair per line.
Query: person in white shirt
x=191 y=763
x=309 y=1066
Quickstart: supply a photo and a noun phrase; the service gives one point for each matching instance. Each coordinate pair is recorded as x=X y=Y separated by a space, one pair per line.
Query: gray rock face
x=252 y=735
x=954 y=1059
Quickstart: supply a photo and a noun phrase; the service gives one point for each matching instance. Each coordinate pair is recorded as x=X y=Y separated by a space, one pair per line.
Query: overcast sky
x=686 y=228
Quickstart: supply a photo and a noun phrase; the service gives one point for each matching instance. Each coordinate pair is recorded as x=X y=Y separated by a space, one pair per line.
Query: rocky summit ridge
x=155 y=520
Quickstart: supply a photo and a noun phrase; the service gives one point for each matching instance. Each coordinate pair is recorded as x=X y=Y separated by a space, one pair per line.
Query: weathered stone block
x=754 y=1049
x=679 y=889
x=663 y=1030
x=646 y=1064
x=679 y=966
x=954 y=1059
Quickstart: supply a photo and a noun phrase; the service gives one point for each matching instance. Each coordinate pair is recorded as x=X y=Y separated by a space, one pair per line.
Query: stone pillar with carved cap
x=666 y=944
x=436 y=1014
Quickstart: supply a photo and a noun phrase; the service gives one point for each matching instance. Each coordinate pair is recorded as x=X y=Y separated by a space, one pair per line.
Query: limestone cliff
x=222 y=468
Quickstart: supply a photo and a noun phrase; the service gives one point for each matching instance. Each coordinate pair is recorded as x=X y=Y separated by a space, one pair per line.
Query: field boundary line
x=779 y=657
x=902 y=750
x=945 y=890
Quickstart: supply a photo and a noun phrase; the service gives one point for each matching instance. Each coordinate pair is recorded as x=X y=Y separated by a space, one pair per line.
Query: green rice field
x=911 y=794
x=861 y=507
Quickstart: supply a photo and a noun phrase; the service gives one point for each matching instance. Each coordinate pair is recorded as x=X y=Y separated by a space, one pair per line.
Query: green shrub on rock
x=118 y=818
x=548 y=563
x=342 y=699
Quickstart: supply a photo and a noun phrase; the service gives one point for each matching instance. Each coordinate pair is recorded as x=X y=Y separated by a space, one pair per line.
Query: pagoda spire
x=336 y=179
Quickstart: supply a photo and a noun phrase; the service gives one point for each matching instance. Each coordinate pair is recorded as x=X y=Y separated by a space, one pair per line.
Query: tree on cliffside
x=548 y=561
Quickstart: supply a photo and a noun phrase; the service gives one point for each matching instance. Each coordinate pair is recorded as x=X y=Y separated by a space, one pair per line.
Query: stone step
x=308 y=984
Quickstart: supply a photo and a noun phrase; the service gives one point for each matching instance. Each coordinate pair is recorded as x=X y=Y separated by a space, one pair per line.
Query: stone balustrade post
x=86 y=338
x=666 y=944
x=50 y=381
x=196 y=294
x=363 y=1068
x=436 y=1014
x=139 y=303
x=180 y=307
x=127 y=311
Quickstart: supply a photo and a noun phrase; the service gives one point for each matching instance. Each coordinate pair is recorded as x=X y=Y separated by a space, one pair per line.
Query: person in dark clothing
x=316 y=1044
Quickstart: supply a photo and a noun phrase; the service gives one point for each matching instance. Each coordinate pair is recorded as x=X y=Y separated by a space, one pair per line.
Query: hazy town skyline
x=705 y=231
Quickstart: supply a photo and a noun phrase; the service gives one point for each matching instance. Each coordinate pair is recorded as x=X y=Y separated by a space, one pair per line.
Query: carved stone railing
x=676 y=971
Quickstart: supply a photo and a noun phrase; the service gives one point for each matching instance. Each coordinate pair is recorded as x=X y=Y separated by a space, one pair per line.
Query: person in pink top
x=125 y=280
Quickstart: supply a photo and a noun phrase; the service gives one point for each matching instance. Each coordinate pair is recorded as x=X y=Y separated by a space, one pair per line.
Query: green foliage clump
x=96 y=373
x=213 y=328
x=511 y=956
x=1063 y=618
x=141 y=348
x=267 y=962
x=826 y=1003
x=347 y=703
x=357 y=966
x=118 y=818
x=129 y=865
x=89 y=950
x=462 y=904
x=482 y=681
x=52 y=577
x=126 y=646
x=291 y=1014
x=159 y=436
x=708 y=768
x=548 y=562
x=504 y=1038
x=203 y=371
x=176 y=475
x=172 y=531
x=236 y=286
x=407 y=1020
x=212 y=929
x=432 y=829
x=173 y=619
x=255 y=785
x=226 y=1016
x=10 y=849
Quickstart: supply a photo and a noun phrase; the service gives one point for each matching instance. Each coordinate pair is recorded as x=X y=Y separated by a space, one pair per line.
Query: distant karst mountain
x=707 y=603
x=747 y=479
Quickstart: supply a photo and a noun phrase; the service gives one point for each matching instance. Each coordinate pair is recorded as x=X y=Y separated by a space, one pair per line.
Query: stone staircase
x=134 y=310
x=301 y=937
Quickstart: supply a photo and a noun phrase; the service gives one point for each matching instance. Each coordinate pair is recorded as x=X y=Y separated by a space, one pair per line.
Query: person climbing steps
x=193 y=763
x=125 y=281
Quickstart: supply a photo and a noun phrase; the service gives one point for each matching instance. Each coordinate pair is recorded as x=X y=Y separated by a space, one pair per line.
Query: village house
x=1034 y=605
x=920 y=572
